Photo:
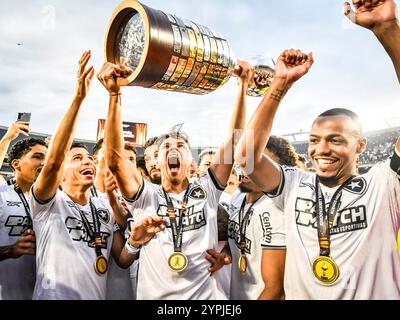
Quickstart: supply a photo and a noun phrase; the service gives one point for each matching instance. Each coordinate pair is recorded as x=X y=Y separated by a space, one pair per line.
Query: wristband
x=131 y=249
x=115 y=94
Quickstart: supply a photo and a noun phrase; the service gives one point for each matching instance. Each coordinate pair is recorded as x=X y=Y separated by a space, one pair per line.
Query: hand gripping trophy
x=169 y=53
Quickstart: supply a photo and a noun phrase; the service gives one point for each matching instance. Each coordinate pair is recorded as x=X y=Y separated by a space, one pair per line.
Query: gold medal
x=242 y=264
x=101 y=265
x=326 y=270
x=177 y=262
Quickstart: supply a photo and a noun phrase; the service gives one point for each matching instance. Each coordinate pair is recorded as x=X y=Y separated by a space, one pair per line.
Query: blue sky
x=351 y=68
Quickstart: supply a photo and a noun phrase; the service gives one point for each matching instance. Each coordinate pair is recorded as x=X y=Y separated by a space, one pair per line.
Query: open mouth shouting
x=87 y=172
x=174 y=164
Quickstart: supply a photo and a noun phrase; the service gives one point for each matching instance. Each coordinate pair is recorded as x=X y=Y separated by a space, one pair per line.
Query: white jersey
x=265 y=230
x=200 y=233
x=65 y=257
x=363 y=236
x=119 y=286
x=134 y=267
x=17 y=276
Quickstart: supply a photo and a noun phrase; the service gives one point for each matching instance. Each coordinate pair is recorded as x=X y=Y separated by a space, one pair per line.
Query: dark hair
x=150 y=142
x=79 y=145
x=343 y=112
x=130 y=147
x=175 y=133
x=98 y=146
x=283 y=149
x=340 y=112
x=22 y=147
x=302 y=158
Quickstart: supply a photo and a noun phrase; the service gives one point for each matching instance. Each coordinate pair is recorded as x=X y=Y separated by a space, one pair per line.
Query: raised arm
x=120 y=214
x=379 y=16
x=127 y=175
x=50 y=177
x=223 y=160
x=290 y=67
x=12 y=133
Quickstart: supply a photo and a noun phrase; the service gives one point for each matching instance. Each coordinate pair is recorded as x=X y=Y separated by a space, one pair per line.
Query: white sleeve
x=289 y=181
x=41 y=209
x=3 y=188
x=211 y=184
x=387 y=176
x=142 y=198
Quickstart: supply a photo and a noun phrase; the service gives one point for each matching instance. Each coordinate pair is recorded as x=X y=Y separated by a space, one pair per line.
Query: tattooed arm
x=290 y=67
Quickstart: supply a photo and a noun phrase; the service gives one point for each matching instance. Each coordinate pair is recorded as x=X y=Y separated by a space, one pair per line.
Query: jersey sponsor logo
x=266 y=226
x=234 y=234
x=14 y=204
x=194 y=217
x=198 y=193
x=18 y=225
x=357 y=186
x=346 y=220
x=78 y=232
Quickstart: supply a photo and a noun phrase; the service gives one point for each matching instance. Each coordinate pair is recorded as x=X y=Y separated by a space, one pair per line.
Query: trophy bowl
x=167 y=52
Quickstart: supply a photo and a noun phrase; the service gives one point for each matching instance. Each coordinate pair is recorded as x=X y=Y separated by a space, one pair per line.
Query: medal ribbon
x=94 y=234
x=177 y=231
x=243 y=224
x=325 y=218
x=93 y=191
x=21 y=195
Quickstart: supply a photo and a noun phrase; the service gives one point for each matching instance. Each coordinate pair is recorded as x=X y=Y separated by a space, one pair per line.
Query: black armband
x=395 y=163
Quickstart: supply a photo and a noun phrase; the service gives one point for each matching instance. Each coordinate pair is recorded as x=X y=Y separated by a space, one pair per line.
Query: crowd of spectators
x=380 y=147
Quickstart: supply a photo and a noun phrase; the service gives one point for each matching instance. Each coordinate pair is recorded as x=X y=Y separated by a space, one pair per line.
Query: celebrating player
x=173 y=265
x=341 y=227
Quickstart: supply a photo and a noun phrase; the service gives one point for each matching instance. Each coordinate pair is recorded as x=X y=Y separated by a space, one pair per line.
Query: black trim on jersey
x=215 y=180
x=277 y=192
x=273 y=247
x=11 y=181
x=93 y=191
x=395 y=163
x=43 y=203
x=137 y=195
